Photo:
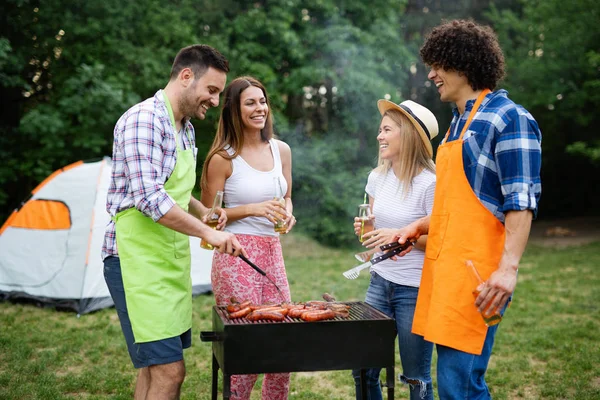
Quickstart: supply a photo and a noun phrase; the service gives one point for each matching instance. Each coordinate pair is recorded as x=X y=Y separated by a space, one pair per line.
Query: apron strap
x=474 y=110
x=172 y=118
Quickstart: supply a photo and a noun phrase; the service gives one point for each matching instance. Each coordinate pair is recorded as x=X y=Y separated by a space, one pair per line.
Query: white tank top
x=247 y=185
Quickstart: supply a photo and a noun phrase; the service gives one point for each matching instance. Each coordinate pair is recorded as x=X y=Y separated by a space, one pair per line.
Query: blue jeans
x=398 y=302
x=461 y=375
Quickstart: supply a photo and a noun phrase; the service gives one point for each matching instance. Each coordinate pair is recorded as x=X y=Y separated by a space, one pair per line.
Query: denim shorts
x=142 y=355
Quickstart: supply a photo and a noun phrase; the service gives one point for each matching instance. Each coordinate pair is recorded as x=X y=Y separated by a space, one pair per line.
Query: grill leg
x=390 y=378
x=363 y=384
x=215 y=378
x=226 y=386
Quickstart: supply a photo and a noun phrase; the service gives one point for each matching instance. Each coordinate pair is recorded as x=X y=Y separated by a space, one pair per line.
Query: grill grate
x=358 y=311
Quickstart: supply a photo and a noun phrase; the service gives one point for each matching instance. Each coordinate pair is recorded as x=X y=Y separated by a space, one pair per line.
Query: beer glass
x=366 y=220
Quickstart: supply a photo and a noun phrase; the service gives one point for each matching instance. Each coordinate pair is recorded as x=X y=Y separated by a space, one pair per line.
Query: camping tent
x=50 y=246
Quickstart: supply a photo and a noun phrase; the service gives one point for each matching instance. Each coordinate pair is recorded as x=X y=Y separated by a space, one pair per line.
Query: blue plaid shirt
x=502 y=154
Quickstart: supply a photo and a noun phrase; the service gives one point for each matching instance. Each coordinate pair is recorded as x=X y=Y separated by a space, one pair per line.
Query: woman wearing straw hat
x=401 y=191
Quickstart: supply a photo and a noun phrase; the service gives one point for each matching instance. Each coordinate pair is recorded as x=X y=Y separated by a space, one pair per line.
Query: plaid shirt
x=144 y=155
x=502 y=154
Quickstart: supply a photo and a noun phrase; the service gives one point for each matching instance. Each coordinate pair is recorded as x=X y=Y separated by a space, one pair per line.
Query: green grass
x=547 y=346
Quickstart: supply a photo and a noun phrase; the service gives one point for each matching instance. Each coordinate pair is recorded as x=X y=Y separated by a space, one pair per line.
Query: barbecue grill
x=365 y=339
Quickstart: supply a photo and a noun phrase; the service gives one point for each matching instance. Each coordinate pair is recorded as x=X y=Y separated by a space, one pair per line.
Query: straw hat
x=422 y=119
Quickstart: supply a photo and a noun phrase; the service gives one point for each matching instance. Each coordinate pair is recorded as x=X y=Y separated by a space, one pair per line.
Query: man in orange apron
x=146 y=249
x=488 y=188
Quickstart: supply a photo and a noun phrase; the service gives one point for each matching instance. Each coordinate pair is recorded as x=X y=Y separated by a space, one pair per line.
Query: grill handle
x=211 y=336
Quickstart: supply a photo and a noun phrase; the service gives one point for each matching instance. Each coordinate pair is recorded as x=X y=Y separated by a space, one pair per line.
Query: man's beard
x=187 y=106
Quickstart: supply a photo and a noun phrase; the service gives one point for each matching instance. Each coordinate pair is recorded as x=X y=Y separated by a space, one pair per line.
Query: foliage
x=553 y=61
x=69 y=69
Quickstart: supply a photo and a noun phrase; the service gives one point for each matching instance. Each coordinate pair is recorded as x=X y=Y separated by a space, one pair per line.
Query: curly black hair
x=468 y=48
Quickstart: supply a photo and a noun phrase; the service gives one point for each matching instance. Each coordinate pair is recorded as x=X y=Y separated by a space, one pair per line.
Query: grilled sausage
x=327 y=297
x=263 y=306
x=265 y=315
x=341 y=313
x=241 y=313
x=319 y=305
x=296 y=312
x=317 y=315
x=233 y=308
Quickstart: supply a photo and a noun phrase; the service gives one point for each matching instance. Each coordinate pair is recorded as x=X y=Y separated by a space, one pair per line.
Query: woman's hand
x=379 y=237
x=290 y=221
x=358 y=225
x=222 y=218
x=269 y=209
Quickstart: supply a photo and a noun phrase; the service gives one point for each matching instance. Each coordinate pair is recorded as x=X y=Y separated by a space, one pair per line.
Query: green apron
x=156 y=260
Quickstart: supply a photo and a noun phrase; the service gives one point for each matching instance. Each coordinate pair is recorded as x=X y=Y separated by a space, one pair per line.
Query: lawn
x=548 y=345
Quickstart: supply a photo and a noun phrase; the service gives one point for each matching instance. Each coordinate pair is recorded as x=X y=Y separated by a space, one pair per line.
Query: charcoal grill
x=366 y=339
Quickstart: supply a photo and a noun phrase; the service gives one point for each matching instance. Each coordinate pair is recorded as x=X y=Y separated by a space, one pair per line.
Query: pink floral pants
x=232 y=277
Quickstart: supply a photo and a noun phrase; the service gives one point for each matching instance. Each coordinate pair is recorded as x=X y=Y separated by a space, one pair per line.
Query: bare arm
x=286 y=165
x=218 y=170
x=198 y=210
x=179 y=220
x=503 y=281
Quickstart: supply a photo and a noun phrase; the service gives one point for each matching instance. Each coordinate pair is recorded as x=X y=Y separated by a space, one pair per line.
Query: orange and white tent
x=50 y=246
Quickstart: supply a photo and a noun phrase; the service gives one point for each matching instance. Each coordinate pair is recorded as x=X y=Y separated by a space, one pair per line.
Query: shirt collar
x=488 y=98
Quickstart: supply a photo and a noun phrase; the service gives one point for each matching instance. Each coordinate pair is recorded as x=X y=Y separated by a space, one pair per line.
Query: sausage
x=296 y=312
x=265 y=315
x=319 y=305
x=245 y=304
x=267 y=308
x=327 y=297
x=317 y=315
x=292 y=305
x=263 y=306
x=233 y=308
x=338 y=307
x=341 y=313
x=241 y=313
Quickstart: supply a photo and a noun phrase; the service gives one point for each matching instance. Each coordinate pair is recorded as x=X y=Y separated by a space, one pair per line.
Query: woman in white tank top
x=401 y=191
x=242 y=162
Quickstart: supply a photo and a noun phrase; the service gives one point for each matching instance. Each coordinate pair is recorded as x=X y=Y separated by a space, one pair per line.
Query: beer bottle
x=213 y=218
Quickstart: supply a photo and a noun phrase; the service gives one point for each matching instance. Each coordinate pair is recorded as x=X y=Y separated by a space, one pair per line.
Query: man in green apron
x=146 y=248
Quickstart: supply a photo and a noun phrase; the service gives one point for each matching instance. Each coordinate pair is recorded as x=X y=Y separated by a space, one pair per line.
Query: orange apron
x=461 y=228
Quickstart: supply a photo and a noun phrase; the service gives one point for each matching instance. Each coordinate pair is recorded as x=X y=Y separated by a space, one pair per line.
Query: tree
x=552 y=49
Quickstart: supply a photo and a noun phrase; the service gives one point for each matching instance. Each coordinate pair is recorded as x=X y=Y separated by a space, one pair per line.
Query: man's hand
x=225 y=242
x=502 y=282
x=497 y=290
x=412 y=232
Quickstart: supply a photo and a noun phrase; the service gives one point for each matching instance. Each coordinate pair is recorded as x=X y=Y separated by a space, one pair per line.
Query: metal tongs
x=394 y=249
x=263 y=273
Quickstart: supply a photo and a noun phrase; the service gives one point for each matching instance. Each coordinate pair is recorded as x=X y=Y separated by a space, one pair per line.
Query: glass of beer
x=366 y=220
x=280 y=222
x=490 y=318
x=213 y=218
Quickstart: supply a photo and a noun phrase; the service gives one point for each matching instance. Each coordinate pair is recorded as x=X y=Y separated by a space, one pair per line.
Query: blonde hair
x=413 y=156
x=230 y=131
